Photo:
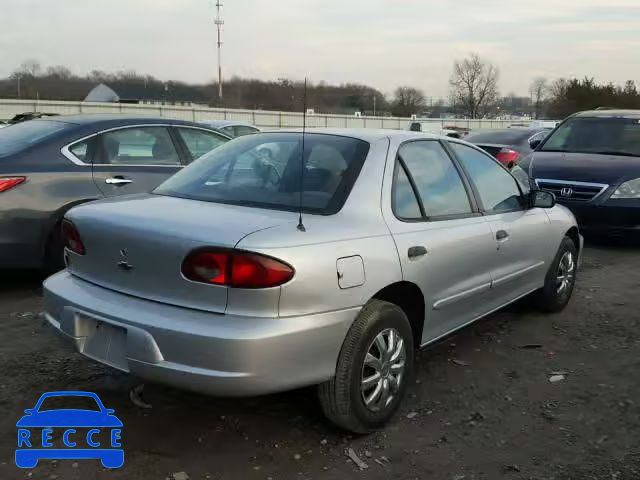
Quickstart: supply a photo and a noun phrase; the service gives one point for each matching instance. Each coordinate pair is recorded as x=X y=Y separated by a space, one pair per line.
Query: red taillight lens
x=72 y=238
x=7 y=183
x=507 y=157
x=235 y=269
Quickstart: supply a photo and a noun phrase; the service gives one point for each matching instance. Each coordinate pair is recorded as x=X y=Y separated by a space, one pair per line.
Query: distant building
x=102 y=93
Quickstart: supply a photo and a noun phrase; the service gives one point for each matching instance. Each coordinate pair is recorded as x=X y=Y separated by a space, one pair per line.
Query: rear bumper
x=615 y=217
x=224 y=355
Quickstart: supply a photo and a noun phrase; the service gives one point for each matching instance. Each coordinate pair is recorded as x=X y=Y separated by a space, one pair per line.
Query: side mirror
x=29 y=411
x=534 y=144
x=541 y=199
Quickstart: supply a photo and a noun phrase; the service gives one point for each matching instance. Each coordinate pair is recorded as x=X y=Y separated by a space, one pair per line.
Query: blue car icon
x=35 y=444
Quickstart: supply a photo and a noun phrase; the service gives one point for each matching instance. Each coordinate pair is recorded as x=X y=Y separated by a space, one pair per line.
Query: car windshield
x=23 y=135
x=502 y=137
x=263 y=170
x=69 y=402
x=603 y=135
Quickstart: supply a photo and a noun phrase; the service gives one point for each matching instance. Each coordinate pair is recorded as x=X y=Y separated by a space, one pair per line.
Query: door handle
x=415 y=252
x=502 y=236
x=118 y=181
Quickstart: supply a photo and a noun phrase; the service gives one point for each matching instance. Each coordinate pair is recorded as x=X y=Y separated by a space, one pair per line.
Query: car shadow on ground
x=20 y=280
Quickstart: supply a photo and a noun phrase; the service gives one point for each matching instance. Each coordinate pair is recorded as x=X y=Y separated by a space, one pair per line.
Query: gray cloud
x=378 y=42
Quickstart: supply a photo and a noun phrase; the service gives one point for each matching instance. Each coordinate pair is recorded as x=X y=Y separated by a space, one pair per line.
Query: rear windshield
x=500 y=137
x=264 y=170
x=608 y=136
x=23 y=135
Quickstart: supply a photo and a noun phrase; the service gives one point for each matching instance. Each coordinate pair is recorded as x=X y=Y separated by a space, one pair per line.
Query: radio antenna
x=304 y=129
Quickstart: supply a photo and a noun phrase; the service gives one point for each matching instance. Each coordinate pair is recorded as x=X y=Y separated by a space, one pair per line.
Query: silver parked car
x=213 y=282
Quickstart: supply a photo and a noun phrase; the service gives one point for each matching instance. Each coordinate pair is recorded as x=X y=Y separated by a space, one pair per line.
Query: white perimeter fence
x=261 y=118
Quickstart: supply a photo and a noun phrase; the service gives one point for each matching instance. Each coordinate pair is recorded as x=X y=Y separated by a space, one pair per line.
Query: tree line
x=473 y=93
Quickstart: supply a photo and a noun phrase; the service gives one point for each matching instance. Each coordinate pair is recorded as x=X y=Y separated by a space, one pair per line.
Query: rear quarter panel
x=357 y=230
x=29 y=212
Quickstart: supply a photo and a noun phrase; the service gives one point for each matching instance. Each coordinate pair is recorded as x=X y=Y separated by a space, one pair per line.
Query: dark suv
x=592 y=164
x=48 y=166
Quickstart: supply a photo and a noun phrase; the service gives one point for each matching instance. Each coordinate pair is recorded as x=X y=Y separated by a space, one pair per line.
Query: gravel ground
x=481 y=405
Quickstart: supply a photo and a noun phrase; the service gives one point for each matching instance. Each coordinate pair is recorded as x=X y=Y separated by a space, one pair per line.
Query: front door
x=520 y=233
x=444 y=244
x=134 y=159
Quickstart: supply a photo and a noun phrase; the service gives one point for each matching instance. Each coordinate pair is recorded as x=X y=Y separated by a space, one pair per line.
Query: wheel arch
x=54 y=221
x=410 y=299
x=574 y=234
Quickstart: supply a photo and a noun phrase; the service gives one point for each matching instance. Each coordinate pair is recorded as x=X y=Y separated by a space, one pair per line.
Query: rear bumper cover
x=217 y=354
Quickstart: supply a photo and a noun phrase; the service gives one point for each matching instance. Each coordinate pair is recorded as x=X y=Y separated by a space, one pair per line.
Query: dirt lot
x=481 y=405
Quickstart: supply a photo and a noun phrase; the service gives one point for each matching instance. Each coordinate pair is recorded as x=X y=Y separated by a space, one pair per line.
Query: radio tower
x=219 y=23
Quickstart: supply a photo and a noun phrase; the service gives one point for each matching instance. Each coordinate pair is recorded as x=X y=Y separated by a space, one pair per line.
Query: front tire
x=373 y=369
x=560 y=281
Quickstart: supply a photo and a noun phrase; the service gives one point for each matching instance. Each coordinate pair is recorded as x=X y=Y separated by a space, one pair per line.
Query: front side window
x=497 y=188
x=137 y=146
x=199 y=142
x=599 y=135
x=265 y=170
x=437 y=181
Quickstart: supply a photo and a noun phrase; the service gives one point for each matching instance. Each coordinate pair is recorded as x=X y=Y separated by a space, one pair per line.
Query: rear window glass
x=502 y=137
x=264 y=170
x=23 y=135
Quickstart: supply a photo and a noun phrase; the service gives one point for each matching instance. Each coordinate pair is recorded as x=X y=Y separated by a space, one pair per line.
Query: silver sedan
x=327 y=262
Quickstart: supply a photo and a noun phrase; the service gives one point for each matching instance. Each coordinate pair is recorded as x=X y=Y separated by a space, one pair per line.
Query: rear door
x=521 y=235
x=444 y=244
x=135 y=159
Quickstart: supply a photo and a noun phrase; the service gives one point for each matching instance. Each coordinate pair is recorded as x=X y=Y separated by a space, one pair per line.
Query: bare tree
x=539 y=89
x=32 y=68
x=59 y=71
x=408 y=101
x=474 y=85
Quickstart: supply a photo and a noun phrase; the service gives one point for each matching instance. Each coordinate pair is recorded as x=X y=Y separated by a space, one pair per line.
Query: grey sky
x=383 y=43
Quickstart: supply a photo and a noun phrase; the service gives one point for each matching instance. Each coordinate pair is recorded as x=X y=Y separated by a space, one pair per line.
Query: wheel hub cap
x=383 y=370
x=566 y=273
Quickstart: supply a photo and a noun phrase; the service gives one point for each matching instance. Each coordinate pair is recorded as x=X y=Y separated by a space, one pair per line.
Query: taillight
x=7 y=183
x=507 y=157
x=72 y=238
x=235 y=269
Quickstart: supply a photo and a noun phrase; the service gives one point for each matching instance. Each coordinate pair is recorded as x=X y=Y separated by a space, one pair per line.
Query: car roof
x=106 y=120
x=227 y=123
x=604 y=113
x=366 y=134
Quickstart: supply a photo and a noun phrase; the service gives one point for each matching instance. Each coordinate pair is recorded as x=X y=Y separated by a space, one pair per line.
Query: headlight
x=630 y=189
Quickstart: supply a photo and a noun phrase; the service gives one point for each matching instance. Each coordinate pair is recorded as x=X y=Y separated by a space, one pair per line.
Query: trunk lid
x=136 y=244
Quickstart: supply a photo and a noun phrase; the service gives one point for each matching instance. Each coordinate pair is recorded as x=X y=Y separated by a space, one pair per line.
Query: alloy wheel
x=383 y=370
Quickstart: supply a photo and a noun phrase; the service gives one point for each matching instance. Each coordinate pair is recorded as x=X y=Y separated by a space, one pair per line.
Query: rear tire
x=560 y=281
x=374 y=366
x=54 y=252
